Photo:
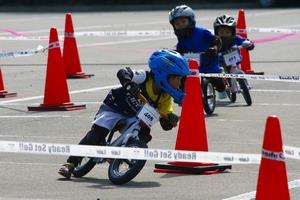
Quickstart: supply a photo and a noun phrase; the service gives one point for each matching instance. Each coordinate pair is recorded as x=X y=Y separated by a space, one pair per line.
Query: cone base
x=81 y=75
x=255 y=73
x=202 y=169
x=5 y=94
x=57 y=108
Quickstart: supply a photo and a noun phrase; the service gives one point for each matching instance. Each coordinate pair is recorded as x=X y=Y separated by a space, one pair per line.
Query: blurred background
x=119 y=5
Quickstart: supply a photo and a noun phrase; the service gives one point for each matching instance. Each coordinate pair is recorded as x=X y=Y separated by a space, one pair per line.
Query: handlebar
x=142 y=98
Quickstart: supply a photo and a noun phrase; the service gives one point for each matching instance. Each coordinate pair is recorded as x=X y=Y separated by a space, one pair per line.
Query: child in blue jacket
x=193 y=39
x=225 y=29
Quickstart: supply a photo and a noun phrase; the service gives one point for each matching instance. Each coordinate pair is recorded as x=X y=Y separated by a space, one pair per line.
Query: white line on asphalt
x=288 y=26
x=285 y=91
x=126 y=41
x=22 y=99
x=12 y=198
x=37 y=136
x=34 y=116
x=276 y=104
x=113 y=86
x=275 y=12
x=101 y=26
x=26 y=19
x=72 y=92
x=23 y=163
x=251 y=195
x=35 y=104
x=148 y=23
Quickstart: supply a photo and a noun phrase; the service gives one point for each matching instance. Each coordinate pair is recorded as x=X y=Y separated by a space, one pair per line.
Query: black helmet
x=227 y=21
x=182 y=11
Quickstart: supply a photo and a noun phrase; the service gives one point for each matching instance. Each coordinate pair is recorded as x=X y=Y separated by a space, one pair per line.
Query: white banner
x=135 y=153
x=28 y=52
x=291 y=152
x=140 y=33
x=22 y=53
x=283 y=78
x=127 y=153
x=273 y=30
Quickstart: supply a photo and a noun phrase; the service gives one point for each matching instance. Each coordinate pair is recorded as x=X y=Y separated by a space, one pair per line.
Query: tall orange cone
x=3 y=92
x=272 y=179
x=70 y=52
x=241 y=30
x=56 y=96
x=191 y=134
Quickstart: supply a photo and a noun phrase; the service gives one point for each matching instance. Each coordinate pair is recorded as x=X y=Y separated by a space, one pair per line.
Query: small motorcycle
x=121 y=171
x=230 y=60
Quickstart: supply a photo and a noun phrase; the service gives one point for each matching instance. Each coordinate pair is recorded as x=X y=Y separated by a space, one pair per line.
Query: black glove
x=168 y=124
x=251 y=47
x=210 y=52
x=173 y=118
x=132 y=87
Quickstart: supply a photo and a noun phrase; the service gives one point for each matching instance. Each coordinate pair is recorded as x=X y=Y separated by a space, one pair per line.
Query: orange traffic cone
x=70 y=52
x=56 y=95
x=272 y=179
x=3 y=92
x=242 y=31
x=191 y=134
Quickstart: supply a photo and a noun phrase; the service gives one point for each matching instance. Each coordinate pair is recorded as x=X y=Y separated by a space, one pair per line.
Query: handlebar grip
x=142 y=98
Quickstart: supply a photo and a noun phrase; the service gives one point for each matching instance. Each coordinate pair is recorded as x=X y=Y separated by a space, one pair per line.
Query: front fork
x=234 y=86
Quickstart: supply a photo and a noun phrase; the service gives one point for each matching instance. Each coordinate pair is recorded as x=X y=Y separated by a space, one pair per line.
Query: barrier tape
x=142 y=33
x=131 y=153
x=273 y=30
x=284 y=78
x=271 y=155
x=194 y=73
x=24 y=38
x=29 y=52
x=291 y=152
x=52 y=45
x=69 y=34
x=241 y=31
x=23 y=53
x=127 y=153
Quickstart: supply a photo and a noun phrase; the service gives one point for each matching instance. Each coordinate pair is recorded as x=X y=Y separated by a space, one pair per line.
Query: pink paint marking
x=14 y=33
x=275 y=38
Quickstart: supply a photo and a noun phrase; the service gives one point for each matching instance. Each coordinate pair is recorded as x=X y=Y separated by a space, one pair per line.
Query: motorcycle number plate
x=148 y=115
x=232 y=58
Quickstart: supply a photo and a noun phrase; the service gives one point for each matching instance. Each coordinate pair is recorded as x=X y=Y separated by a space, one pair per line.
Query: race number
x=148 y=115
x=232 y=58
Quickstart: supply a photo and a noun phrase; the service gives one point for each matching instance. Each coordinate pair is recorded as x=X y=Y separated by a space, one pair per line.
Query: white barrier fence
x=142 y=33
x=137 y=153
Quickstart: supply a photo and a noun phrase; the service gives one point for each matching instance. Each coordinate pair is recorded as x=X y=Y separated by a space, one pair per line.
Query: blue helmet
x=164 y=63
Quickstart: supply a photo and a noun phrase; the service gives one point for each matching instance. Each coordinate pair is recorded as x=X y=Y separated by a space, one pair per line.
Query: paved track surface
x=234 y=127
